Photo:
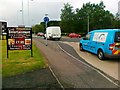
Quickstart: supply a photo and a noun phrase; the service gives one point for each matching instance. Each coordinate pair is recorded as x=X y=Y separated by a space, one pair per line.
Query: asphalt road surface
x=70 y=72
x=108 y=66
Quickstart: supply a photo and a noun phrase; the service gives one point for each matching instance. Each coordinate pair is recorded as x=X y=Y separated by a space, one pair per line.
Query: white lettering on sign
x=100 y=36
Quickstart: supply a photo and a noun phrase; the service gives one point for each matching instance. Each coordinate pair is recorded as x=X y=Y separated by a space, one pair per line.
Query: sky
x=34 y=10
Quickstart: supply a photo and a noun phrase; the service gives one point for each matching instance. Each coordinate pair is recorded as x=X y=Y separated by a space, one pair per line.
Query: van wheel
x=100 y=55
x=80 y=47
x=58 y=38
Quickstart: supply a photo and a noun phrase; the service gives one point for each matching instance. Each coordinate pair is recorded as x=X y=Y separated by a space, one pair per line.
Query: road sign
x=46 y=19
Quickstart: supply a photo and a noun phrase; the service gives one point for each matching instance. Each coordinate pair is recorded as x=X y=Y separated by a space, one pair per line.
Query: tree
x=67 y=18
x=117 y=21
x=38 y=28
x=54 y=23
x=77 y=20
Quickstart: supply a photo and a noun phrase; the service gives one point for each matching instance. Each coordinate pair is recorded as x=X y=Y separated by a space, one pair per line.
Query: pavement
x=36 y=79
x=70 y=72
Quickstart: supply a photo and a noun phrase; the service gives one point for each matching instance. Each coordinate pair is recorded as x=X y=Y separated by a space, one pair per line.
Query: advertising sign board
x=19 y=38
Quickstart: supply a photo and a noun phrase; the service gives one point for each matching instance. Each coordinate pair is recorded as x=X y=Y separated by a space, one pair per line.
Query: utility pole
x=28 y=12
x=22 y=14
x=88 y=24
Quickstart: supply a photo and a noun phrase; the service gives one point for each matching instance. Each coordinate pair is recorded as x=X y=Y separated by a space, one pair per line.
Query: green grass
x=20 y=61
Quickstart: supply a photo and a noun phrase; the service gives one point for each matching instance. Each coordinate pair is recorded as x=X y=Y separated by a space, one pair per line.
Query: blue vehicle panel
x=104 y=42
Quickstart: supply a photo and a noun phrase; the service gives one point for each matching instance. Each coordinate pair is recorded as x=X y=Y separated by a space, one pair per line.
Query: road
x=69 y=71
x=108 y=66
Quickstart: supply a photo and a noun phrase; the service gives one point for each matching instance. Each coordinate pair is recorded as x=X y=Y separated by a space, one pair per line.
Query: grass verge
x=20 y=61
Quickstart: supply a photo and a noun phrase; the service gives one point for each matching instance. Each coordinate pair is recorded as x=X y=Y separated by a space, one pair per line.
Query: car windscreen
x=117 y=37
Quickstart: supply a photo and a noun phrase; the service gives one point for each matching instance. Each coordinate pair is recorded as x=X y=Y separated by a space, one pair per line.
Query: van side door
x=86 y=42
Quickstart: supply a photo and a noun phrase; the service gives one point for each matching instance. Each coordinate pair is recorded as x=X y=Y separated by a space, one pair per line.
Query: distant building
x=3 y=29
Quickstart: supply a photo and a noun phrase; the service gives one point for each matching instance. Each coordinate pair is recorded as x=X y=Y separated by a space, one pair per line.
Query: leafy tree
x=38 y=28
x=41 y=27
x=54 y=23
x=77 y=20
x=67 y=18
x=117 y=20
x=99 y=18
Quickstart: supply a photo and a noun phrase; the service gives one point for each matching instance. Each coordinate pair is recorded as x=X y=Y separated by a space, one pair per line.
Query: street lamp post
x=22 y=14
x=88 y=24
x=88 y=19
x=18 y=11
x=29 y=12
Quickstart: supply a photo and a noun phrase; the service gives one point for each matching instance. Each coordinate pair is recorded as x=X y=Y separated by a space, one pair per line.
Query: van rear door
x=116 y=45
x=117 y=41
x=117 y=37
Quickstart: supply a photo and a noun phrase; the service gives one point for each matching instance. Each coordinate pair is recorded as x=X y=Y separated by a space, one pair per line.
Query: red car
x=74 y=35
x=40 y=34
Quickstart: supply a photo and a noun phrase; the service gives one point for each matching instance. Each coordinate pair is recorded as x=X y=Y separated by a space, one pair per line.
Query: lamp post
x=29 y=12
x=18 y=11
x=22 y=14
x=88 y=24
x=17 y=17
x=88 y=19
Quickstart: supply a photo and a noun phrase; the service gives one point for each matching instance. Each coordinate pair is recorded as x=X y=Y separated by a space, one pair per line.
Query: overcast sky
x=35 y=10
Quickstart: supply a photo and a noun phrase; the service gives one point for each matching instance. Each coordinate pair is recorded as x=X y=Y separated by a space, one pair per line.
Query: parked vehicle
x=104 y=43
x=53 y=32
x=74 y=35
x=40 y=34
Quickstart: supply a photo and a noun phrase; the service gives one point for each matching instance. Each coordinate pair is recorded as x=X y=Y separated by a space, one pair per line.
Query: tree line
x=41 y=27
x=77 y=20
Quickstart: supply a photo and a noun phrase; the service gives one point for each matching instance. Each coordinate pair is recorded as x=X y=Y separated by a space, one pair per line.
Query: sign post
x=19 y=38
x=46 y=20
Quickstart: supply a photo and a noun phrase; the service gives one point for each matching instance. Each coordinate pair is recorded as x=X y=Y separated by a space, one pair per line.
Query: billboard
x=19 y=39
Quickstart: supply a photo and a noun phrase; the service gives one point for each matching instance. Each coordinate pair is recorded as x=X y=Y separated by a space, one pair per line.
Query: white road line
x=56 y=78
x=88 y=66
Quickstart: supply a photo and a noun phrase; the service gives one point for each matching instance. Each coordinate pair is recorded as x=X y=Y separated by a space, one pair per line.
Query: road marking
x=89 y=66
x=56 y=78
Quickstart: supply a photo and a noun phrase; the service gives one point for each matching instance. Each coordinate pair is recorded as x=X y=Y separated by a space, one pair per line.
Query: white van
x=53 y=32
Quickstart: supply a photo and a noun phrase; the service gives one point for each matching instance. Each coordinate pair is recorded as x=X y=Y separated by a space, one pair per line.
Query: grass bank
x=20 y=61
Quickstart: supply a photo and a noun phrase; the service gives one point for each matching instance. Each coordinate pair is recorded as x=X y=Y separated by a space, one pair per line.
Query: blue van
x=103 y=43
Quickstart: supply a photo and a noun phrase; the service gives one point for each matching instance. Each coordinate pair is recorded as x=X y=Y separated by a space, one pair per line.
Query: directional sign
x=46 y=19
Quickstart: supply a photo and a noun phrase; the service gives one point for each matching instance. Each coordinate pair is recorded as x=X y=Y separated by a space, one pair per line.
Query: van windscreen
x=117 y=37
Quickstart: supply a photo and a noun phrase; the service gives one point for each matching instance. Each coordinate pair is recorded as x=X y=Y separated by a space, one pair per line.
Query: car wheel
x=100 y=55
x=44 y=37
x=81 y=47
